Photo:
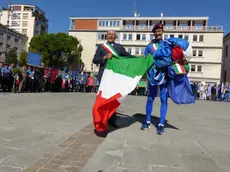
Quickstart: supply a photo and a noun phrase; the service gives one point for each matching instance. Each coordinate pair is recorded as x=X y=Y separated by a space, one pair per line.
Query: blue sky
x=59 y=11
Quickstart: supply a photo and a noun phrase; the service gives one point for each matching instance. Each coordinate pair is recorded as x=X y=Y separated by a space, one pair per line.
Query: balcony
x=177 y=28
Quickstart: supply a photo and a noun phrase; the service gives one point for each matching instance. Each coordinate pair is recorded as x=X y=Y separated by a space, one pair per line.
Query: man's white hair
x=112 y=31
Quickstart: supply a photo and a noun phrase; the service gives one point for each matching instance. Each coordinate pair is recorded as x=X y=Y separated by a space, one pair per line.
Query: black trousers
x=113 y=118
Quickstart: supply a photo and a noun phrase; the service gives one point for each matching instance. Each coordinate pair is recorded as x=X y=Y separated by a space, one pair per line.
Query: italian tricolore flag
x=120 y=77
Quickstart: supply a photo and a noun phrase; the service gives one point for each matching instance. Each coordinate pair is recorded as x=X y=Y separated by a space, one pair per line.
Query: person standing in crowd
x=213 y=92
x=1 y=69
x=209 y=94
x=22 y=79
x=6 y=78
x=29 y=79
x=102 y=55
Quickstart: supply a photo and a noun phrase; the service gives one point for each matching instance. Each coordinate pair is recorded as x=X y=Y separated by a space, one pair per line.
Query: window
x=8 y=46
x=1 y=44
x=226 y=51
x=24 y=23
x=151 y=37
x=9 y=37
x=16 y=49
x=194 y=37
x=15 y=24
x=193 y=68
x=16 y=40
x=201 y=38
x=180 y=36
x=138 y=37
x=166 y=36
x=130 y=37
x=200 y=53
x=25 y=16
x=124 y=36
x=109 y=23
x=114 y=23
x=143 y=37
x=142 y=50
x=129 y=50
x=101 y=23
x=186 y=37
x=1 y=34
x=102 y=36
x=194 y=53
x=24 y=31
x=16 y=16
x=199 y=68
x=137 y=51
x=171 y=36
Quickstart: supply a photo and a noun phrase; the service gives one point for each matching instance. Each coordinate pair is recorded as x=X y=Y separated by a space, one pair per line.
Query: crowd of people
x=36 y=79
x=212 y=92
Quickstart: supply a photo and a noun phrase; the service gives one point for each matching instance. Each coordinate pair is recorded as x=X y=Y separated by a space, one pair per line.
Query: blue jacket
x=161 y=52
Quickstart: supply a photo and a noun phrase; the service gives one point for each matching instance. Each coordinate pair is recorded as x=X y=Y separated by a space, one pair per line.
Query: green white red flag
x=120 y=77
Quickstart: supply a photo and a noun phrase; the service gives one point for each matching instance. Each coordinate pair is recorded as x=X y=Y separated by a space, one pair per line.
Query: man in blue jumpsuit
x=152 y=92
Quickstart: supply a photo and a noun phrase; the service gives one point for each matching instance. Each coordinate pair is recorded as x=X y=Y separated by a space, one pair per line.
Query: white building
x=135 y=33
x=25 y=19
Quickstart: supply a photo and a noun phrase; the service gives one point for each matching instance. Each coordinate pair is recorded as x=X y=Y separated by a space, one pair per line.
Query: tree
x=23 y=58
x=57 y=50
x=11 y=57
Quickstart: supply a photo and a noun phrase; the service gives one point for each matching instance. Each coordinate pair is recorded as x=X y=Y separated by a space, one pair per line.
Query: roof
x=3 y=26
x=142 y=18
x=31 y=5
x=227 y=37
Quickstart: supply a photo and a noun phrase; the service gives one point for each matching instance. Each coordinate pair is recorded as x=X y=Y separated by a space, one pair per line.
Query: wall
x=226 y=60
x=88 y=41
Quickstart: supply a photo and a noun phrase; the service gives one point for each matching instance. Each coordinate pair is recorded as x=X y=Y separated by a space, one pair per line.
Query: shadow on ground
x=124 y=121
x=139 y=117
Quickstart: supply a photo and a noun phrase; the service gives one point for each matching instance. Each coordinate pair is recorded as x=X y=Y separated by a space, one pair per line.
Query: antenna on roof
x=135 y=13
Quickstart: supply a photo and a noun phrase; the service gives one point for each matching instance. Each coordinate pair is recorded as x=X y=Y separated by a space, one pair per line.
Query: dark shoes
x=101 y=133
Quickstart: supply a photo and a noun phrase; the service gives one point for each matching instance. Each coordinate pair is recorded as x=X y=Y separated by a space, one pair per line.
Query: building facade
x=25 y=19
x=135 y=33
x=11 y=39
x=226 y=59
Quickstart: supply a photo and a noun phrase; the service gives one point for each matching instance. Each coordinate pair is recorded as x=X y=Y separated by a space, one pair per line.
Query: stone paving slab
x=196 y=139
x=52 y=132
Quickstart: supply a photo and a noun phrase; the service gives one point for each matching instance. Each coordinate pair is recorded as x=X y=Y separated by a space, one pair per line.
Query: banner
x=34 y=59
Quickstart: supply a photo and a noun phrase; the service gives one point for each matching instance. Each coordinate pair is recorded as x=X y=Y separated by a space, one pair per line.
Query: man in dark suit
x=101 y=57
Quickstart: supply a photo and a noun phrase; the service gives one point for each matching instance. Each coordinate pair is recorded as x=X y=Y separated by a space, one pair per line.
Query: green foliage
x=16 y=70
x=11 y=57
x=57 y=50
x=23 y=58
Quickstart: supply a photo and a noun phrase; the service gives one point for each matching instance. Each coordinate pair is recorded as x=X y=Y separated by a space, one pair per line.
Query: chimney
x=135 y=14
x=162 y=14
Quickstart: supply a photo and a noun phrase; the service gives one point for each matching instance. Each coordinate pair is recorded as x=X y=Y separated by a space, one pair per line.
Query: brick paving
x=71 y=155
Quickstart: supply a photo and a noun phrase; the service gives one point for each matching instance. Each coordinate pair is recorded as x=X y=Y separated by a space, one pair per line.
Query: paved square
x=53 y=132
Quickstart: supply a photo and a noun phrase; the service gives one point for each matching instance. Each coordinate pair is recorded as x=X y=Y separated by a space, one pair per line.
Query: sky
x=59 y=11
